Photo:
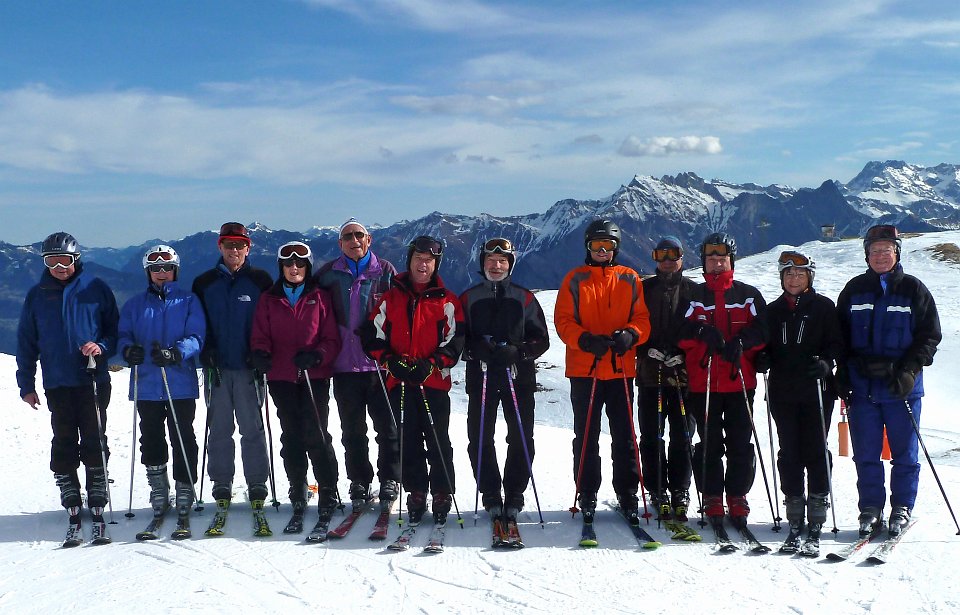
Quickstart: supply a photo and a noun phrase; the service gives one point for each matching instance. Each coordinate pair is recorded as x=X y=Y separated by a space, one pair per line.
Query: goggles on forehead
x=294 y=249
x=667 y=254
x=790 y=258
x=427 y=245
x=159 y=257
x=883 y=231
x=596 y=245
x=63 y=261
x=499 y=245
x=160 y=268
x=716 y=249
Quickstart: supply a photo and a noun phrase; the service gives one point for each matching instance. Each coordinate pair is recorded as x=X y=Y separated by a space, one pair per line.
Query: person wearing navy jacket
x=68 y=317
x=891 y=331
x=164 y=327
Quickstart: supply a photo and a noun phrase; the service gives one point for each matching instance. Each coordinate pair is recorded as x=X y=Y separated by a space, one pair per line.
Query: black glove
x=597 y=345
x=505 y=356
x=134 y=354
x=420 y=371
x=819 y=368
x=624 y=340
x=902 y=383
x=305 y=359
x=874 y=368
x=261 y=360
x=842 y=382
x=208 y=357
x=732 y=352
x=397 y=367
x=761 y=362
x=482 y=349
x=711 y=336
x=165 y=357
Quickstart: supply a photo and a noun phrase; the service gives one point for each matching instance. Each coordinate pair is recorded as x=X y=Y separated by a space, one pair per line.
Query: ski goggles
x=667 y=254
x=427 y=245
x=161 y=268
x=883 y=231
x=597 y=245
x=790 y=258
x=159 y=257
x=499 y=245
x=292 y=250
x=62 y=261
x=358 y=235
x=716 y=249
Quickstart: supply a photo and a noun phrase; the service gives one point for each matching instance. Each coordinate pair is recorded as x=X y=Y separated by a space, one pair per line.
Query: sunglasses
x=596 y=245
x=161 y=268
x=157 y=257
x=358 y=235
x=667 y=254
x=792 y=259
x=499 y=245
x=294 y=249
x=294 y=260
x=427 y=245
x=63 y=261
x=716 y=249
x=235 y=244
x=883 y=231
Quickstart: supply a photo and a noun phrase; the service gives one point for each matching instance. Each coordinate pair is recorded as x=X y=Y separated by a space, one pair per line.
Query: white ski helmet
x=161 y=255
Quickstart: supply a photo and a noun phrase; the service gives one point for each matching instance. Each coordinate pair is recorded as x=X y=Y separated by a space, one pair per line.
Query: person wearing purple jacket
x=294 y=342
x=356 y=280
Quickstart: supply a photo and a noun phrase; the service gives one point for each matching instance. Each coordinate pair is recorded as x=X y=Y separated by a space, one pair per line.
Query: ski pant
x=76 y=435
x=423 y=441
x=236 y=396
x=802 y=440
x=153 y=441
x=665 y=467
x=482 y=447
x=358 y=393
x=302 y=435
x=727 y=430
x=612 y=395
x=867 y=420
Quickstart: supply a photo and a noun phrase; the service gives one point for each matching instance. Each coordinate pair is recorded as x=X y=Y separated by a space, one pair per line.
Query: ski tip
x=588 y=543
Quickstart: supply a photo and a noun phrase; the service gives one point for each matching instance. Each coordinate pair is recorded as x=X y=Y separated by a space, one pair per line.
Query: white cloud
x=666 y=146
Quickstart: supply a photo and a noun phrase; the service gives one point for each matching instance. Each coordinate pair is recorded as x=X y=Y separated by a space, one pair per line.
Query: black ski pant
x=302 y=436
x=727 y=430
x=153 y=442
x=76 y=436
x=612 y=395
x=802 y=441
x=516 y=472
x=666 y=467
x=358 y=393
x=423 y=414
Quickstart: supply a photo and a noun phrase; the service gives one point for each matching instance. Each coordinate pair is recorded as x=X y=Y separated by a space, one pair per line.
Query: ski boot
x=389 y=490
x=442 y=502
x=870 y=519
x=159 y=489
x=680 y=502
x=416 y=506
x=899 y=518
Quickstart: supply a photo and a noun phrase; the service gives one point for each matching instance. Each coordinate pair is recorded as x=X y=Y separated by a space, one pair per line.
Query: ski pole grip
x=91 y=364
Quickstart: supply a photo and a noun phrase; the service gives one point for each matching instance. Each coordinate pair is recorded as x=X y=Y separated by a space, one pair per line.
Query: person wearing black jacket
x=804 y=342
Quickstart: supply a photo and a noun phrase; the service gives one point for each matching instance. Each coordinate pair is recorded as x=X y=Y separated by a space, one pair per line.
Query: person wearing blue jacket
x=229 y=293
x=67 y=318
x=165 y=323
x=891 y=331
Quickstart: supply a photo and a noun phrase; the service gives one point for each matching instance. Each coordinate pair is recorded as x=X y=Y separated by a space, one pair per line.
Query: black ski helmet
x=719 y=239
x=602 y=228
x=881 y=232
x=427 y=245
x=60 y=243
x=498 y=245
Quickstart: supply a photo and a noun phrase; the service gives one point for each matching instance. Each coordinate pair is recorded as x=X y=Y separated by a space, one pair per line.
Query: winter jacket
x=55 y=321
x=899 y=324
x=735 y=309
x=663 y=294
x=503 y=312
x=405 y=324
x=600 y=300
x=169 y=316
x=282 y=331
x=229 y=300
x=353 y=298
x=795 y=336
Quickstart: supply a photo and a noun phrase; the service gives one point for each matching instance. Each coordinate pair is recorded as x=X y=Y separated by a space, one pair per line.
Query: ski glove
x=208 y=357
x=732 y=352
x=842 y=380
x=397 y=367
x=305 y=359
x=761 y=362
x=419 y=371
x=902 y=383
x=624 y=340
x=711 y=336
x=819 y=368
x=134 y=355
x=505 y=356
x=483 y=349
x=597 y=345
x=165 y=357
x=261 y=360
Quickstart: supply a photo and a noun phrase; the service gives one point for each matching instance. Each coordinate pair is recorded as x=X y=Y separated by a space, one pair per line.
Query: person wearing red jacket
x=294 y=342
x=724 y=330
x=601 y=317
x=416 y=331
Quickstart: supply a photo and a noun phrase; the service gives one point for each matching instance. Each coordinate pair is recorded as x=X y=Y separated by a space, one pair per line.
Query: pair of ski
x=795 y=544
x=506 y=534
x=588 y=535
x=98 y=532
x=880 y=554
x=152 y=531
x=434 y=543
x=321 y=531
x=261 y=528
x=726 y=545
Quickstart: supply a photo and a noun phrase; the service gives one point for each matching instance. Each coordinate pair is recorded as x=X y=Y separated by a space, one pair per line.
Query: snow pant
x=727 y=430
x=302 y=435
x=236 y=396
x=418 y=444
x=76 y=435
x=796 y=410
x=665 y=467
x=867 y=420
x=516 y=472
x=153 y=441
x=358 y=393
x=609 y=394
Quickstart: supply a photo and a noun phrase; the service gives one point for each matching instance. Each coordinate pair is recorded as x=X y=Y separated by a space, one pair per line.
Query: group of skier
x=387 y=341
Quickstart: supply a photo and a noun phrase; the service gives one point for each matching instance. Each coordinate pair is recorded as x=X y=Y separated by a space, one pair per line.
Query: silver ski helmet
x=161 y=255
x=295 y=250
x=793 y=258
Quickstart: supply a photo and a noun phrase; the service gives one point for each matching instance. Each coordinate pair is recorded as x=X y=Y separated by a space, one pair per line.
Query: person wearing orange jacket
x=601 y=317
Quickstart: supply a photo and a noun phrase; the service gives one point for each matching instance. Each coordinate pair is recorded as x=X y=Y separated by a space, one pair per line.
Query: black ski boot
x=870 y=519
x=184 y=500
x=795 y=510
x=159 y=489
x=680 y=501
x=69 y=486
x=416 y=506
x=899 y=519
x=442 y=503
x=662 y=505
x=298 y=500
x=96 y=487
x=359 y=493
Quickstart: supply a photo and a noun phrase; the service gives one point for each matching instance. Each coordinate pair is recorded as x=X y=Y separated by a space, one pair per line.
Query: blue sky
x=122 y=121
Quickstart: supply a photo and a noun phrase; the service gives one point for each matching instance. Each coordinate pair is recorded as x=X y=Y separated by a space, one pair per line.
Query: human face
x=234 y=253
x=63 y=273
x=604 y=251
x=717 y=264
x=882 y=256
x=159 y=278
x=796 y=280
x=422 y=266
x=496 y=267
x=294 y=270
x=354 y=242
x=669 y=266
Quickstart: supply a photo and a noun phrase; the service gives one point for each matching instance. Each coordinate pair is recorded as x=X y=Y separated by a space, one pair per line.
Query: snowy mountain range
x=914 y=197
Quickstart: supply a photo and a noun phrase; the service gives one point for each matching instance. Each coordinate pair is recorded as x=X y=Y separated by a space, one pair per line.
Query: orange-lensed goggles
x=63 y=261
x=716 y=249
x=792 y=259
x=500 y=245
x=597 y=245
x=159 y=257
x=667 y=254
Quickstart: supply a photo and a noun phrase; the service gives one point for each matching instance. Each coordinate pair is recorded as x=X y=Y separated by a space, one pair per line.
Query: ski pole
x=92 y=370
x=686 y=426
x=211 y=379
x=480 y=438
x=586 y=435
x=627 y=389
x=273 y=474
x=526 y=450
x=756 y=443
x=660 y=429
x=916 y=428
x=703 y=441
x=320 y=427
x=403 y=394
x=773 y=457
x=826 y=454
x=176 y=424
x=443 y=462
x=386 y=397
x=133 y=443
